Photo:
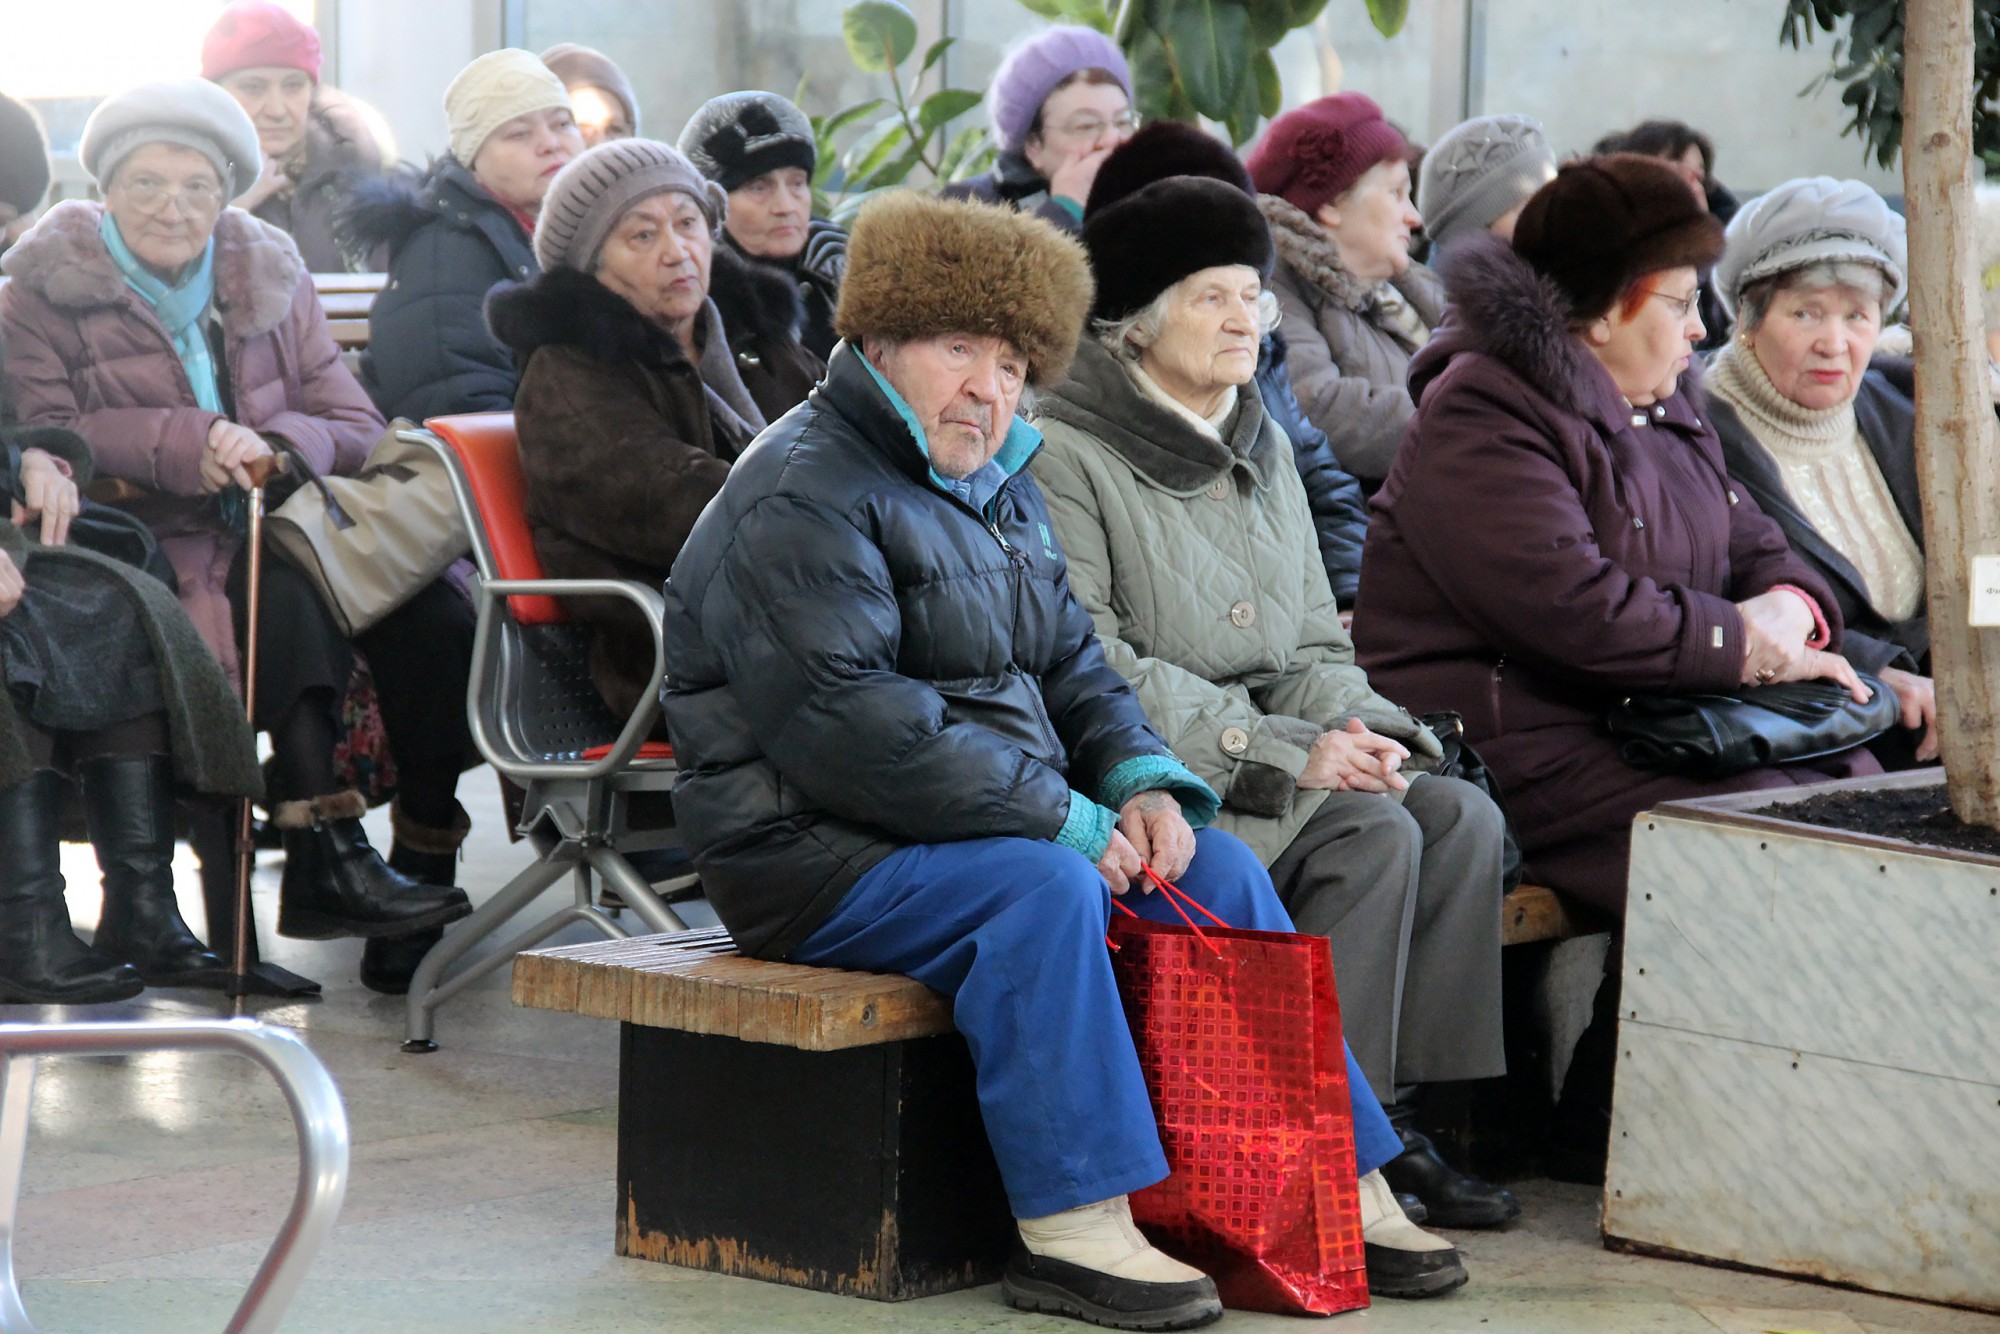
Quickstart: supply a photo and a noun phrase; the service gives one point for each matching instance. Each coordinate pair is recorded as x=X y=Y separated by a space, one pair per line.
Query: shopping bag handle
x=1176 y=897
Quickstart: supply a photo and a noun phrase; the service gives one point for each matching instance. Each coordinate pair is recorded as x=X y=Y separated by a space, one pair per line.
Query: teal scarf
x=181 y=310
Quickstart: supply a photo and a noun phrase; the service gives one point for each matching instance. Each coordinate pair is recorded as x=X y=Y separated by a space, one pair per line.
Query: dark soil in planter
x=1918 y=814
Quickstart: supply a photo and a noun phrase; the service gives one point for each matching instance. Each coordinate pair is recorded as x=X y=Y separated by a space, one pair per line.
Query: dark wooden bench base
x=863 y=1171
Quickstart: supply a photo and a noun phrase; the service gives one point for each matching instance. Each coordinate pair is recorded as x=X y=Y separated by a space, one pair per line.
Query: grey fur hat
x=737 y=137
x=1807 y=220
x=588 y=196
x=190 y=112
x=1478 y=170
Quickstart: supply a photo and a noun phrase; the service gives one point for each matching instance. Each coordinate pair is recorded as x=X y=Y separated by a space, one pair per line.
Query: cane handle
x=261 y=470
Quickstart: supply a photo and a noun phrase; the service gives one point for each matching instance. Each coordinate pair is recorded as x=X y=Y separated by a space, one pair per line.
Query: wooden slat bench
x=808 y=1126
x=347 y=298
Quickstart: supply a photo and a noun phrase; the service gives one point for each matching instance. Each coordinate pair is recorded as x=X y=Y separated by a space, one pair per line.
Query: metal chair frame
x=576 y=812
x=317 y=1114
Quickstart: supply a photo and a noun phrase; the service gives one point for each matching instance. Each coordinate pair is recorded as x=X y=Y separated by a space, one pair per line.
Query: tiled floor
x=481 y=1196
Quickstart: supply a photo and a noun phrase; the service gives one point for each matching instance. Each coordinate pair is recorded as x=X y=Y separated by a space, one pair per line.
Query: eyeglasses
x=150 y=194
x=1682 y=305
x=1090 y=127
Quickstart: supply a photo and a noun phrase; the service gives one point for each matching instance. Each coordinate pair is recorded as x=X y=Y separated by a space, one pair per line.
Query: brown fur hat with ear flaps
x=919 y=267
x=1604 y=222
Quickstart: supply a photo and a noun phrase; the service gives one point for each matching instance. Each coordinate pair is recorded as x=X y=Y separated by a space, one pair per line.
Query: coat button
x=1660 y=410
x=1733 y=500
x=1638 y=523
x=1638 y=419
x=1235 y=740
x=1243 y=616
x=1219 y=488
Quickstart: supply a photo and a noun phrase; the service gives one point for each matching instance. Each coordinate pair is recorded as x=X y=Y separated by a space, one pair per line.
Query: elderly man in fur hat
x=902 y=749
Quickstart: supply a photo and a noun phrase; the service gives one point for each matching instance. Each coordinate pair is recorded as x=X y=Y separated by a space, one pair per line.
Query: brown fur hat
x=1605 y=222
x=919 y=266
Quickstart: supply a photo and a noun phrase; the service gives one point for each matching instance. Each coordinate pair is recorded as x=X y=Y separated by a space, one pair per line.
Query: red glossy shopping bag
x=1238 y=1035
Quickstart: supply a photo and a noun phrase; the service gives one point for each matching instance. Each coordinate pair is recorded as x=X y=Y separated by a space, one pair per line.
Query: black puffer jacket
x=449 y=241
x=1339 y=510
x=858 y=661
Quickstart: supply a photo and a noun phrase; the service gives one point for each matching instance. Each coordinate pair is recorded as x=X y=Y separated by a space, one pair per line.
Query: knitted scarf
x=180 y=309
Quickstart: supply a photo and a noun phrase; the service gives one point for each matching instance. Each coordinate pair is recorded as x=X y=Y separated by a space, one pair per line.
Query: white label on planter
x=1986 y=590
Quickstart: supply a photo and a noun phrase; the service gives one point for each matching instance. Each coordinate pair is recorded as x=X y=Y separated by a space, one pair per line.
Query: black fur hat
x=1159 y=234
x=1160 y=149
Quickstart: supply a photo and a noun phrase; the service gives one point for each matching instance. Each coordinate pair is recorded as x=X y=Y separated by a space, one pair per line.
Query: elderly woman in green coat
x=1190 y=542
x=103 y=681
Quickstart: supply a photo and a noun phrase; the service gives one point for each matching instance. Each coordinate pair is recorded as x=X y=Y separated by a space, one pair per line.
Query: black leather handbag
x=1462 y=761
x=1716 y=736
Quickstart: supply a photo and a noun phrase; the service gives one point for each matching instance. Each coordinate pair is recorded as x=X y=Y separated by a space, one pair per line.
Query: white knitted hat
x=494 y=89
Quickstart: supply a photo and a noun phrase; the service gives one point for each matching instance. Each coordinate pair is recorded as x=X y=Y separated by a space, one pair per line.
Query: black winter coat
x=450 y=242
x=857 y=661
x=1020 y=187
x=1888 y=422
x=1339 y=510
x=763 y=314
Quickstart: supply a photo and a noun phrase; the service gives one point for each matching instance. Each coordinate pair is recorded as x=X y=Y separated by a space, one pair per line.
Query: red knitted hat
x=1310 y=155
x=253 y=33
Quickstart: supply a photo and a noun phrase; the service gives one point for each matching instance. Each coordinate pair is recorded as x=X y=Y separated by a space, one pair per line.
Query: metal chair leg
x=488 y=918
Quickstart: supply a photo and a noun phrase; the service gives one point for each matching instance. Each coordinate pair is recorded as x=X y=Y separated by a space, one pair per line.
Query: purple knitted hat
x=1032 y=70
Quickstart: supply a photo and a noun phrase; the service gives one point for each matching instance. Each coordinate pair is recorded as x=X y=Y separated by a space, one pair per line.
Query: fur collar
x=760 y=303
x=566 y=308
x=64 y=261
x=1102 y=399
x=388 y=210
x=1304 y=246
x=1502 y=307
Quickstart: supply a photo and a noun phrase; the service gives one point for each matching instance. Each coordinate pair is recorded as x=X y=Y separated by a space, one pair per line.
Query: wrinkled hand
x=12 y=584
x=1355 y=760
x=1153 y=824
x=51 y=496
x=1073 y=179
x=1918 y=697
x=271 y=180
x=1776 y=625
x=1120 y=864
x=229 y=447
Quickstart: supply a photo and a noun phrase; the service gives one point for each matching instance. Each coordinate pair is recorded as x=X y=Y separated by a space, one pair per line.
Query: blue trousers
x=1012 y=931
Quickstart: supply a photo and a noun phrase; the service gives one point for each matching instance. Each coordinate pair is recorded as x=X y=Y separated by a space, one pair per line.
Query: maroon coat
x=1542 y=547
x=85 y=352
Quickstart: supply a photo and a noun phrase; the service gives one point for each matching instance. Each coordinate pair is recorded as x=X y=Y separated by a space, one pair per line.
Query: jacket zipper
x=1493 y=690
x=1019 y=560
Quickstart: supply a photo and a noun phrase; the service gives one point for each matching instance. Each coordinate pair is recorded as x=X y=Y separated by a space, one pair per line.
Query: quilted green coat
x=1197 y=560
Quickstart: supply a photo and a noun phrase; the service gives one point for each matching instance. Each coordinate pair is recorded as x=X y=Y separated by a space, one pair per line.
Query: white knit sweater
x=1831 y=476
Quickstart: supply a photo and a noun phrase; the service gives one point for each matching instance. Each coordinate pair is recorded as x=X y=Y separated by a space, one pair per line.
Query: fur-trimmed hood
x=1101 y=398
x=1305 y=247
x=760 y=303
x=564 y=307
x=1501 y=306
x=64 y=260
x=387 y=210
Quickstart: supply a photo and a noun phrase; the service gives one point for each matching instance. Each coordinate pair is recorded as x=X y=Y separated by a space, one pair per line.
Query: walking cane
x=260 y=471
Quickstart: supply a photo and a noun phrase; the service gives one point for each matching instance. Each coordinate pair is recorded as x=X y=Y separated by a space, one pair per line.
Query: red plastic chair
x=538 y=719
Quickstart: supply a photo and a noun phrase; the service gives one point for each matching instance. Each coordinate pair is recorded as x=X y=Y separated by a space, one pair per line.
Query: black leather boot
x=336 y=884
x=128 y=804
x=211 y=835
x=41 y=960
x=1450 y=1197
x=429 y=856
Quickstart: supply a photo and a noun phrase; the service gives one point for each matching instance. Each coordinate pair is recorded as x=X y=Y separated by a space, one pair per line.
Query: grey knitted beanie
x=588 y=196
x=1480 y=169
x=737 y=137
x=190 y=112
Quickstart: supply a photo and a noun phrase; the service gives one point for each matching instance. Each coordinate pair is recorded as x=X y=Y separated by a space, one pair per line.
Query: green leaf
x=934 y=54
x=1305 y=11
x=1208 y=42
x=880 y=34
x=1270 y=20
x=944 y=106
x=874 y=150
x=962 y=148
x=896 y=172
x=845 y=117
x=1270 y=88
x=1388 y=15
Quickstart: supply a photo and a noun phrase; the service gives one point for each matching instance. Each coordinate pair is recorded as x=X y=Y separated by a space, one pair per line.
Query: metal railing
x=317 y=1114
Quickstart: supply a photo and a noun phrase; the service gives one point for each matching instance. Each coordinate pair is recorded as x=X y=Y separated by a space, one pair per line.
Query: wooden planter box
x=1809 y=1056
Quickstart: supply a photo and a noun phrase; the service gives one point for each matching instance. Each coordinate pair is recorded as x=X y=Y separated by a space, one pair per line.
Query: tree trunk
x=1958 y=449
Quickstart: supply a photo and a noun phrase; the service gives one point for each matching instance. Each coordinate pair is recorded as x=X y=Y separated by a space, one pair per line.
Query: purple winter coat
x=85 y=352
x=1542 y=547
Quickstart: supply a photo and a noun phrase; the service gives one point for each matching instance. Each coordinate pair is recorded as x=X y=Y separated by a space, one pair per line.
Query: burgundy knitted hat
x=1312 y=154
x=252 y=33
x=1604 y=222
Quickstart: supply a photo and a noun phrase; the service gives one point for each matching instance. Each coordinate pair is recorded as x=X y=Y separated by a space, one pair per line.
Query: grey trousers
x=1409 y=895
